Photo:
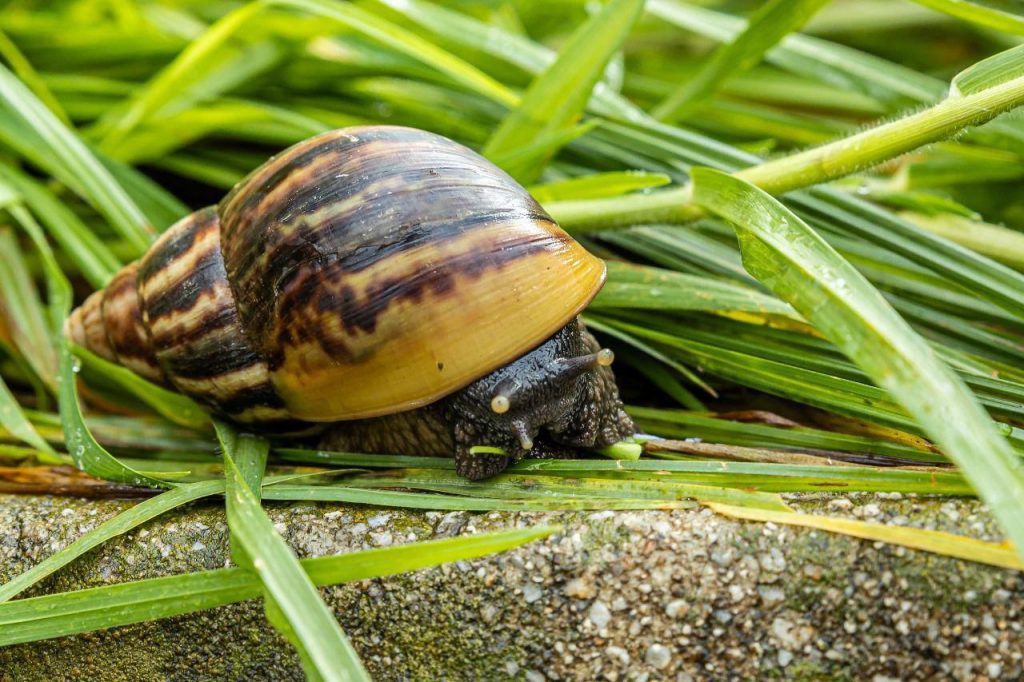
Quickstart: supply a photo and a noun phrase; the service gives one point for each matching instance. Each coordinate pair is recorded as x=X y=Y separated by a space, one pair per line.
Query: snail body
x=383 y=279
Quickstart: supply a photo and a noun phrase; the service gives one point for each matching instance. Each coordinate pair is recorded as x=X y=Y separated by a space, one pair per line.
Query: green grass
x=807 y=313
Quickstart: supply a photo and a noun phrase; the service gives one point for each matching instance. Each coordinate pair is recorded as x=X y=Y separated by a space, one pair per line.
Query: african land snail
x=384 y=278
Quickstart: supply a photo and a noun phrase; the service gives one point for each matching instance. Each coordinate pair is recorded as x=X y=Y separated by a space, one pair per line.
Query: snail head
x=540 y=391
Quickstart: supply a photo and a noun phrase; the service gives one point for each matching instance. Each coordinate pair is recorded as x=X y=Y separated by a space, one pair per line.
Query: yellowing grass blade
x=938 y=542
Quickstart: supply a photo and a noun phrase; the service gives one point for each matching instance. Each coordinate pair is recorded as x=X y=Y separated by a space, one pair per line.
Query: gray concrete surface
x=681 y=595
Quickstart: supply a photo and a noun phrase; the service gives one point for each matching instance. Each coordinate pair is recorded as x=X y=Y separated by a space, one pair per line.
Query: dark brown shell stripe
x=329 y=290
x=398 y=191
x=124 y=326
x=189 y=311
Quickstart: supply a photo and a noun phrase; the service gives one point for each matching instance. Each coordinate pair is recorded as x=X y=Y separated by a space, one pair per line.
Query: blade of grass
x=23 y=310
x=28 y=75
x=435 y=501
x=87 y=454
x=406 y=43
x=13 y=419
x=637 y=287
x=524 y=486
x=79 y=243
x=362 y=460
x=535 y=155
x=611 y=184
x=994 y=241
x=937 y=542
x=802 y=269
x=995 y=70
x=314 y=627
x=251 y=458
x=175 y=407
x=829 y=62
x=58 y=615
x=759 y=476
x=976 y=13
x=140 y=434
x=68 y=158
x=203 y=66
x=556 y=99
x=122 y=523
x=676 y=424
x=767 y=26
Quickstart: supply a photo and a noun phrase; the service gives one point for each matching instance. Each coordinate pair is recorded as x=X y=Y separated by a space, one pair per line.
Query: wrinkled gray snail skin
x=383 y=280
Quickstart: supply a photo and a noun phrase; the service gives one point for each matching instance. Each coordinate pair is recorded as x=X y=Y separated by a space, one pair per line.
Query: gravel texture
x=681 y=595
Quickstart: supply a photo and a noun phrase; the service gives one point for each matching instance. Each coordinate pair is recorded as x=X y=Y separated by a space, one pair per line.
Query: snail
x=385 y=280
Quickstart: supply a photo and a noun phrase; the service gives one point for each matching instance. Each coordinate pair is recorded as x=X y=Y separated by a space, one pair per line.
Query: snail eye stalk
x=500 y=404
x=570 y=368
x=525 y=439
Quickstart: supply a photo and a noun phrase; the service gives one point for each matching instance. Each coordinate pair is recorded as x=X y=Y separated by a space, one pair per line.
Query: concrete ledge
x=618 y=596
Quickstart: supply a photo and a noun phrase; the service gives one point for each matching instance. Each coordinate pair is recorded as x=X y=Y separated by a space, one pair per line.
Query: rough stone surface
x=681 y=595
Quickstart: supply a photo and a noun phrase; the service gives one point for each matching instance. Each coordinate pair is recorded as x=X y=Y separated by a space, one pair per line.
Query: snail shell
x=363 y=272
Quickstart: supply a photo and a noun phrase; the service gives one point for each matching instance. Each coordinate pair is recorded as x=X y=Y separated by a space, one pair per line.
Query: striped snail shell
x=364 y=272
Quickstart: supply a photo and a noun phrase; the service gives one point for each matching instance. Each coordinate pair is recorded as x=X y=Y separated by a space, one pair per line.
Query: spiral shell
x=363 y=272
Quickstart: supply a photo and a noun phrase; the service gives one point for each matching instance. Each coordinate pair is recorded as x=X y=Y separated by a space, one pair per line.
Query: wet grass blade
x=58 y=615
x=88 y=455
x=744 y=475
x=140 y=434
x=122 y=523
x=802 y=269
x=636 y=287
x=314 y=627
